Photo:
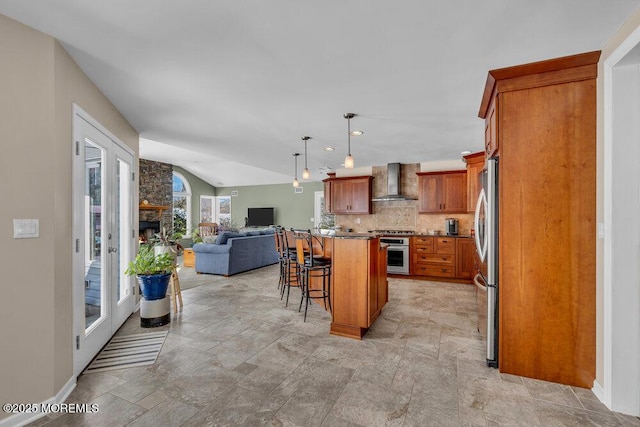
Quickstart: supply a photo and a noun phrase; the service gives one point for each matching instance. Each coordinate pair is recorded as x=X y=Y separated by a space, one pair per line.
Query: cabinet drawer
x=423 y=240
x=445 y=245
x=434 y=270
x=438 y=259
x=423 y=249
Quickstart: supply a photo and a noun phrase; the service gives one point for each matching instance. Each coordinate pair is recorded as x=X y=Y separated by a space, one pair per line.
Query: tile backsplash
x=401 y=215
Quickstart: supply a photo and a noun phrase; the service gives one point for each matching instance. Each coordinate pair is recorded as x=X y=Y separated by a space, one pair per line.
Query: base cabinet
x=442 y=257
x=359 y=285
x=465 y=258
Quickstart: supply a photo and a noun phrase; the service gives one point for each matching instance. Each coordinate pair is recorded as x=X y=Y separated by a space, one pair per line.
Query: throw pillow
x=226 y=235
x=209 y=239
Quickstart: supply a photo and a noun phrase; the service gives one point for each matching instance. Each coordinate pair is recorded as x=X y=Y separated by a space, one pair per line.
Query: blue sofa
x=236 y=252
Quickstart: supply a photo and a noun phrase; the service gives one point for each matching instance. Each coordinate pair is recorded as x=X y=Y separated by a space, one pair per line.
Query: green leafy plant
x=162 y=238
x=327 y=222
x=147 y=263
x=196 y=237
x=226 y=224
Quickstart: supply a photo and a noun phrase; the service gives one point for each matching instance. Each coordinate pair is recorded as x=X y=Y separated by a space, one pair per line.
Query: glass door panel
x=94 y=207
x=122 y=239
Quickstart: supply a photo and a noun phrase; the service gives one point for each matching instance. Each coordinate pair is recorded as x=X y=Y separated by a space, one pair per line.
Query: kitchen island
x=359 y=287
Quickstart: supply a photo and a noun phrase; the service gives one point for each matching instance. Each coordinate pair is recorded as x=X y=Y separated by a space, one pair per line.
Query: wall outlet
x=312 y=219
x=357 y=220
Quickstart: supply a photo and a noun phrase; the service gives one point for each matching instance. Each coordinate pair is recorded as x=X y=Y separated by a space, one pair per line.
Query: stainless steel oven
x=397 y=254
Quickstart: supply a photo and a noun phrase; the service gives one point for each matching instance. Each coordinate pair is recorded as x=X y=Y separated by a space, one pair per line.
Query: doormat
x=128 y=351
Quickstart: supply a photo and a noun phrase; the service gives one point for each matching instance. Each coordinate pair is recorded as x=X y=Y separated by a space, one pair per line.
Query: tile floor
x=236 y=356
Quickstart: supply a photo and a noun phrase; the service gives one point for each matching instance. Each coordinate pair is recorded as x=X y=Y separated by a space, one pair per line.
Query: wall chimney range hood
x=393 y=185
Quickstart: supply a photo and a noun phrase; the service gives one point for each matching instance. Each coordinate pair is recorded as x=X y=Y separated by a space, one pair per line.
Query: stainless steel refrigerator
x=486 y=238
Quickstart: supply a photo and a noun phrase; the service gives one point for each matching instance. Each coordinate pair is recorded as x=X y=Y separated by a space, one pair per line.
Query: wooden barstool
x=312 y=267
x=176 y=293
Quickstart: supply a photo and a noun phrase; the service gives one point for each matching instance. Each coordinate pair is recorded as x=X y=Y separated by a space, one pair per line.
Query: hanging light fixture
x=348 y=161
x=296 y=183
x=305 y=173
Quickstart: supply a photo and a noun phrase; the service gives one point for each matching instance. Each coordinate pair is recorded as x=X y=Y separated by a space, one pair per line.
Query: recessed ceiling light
x=329 y=149
x=465 y=152
x=356 y=132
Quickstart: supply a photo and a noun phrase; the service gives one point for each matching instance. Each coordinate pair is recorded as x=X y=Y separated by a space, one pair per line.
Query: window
x=223 y=211
x=216 y=209
x=181 y=205
x=207 y=208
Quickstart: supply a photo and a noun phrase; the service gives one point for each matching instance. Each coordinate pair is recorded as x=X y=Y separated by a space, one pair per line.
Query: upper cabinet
x=351 y=195
x=327 y=194
x=491 y=130
x=442 y=192
x=475 y=164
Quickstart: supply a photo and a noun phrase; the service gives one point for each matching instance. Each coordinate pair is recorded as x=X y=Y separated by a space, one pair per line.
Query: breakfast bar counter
x=359 y=287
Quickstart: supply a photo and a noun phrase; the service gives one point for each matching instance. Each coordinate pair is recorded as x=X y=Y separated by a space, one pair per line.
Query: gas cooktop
x=394 y=232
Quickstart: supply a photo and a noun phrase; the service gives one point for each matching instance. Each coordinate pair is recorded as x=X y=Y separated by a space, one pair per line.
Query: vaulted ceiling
x=227 y=88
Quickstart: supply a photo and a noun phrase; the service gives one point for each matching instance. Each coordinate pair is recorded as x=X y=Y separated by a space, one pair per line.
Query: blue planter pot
x=155 y=286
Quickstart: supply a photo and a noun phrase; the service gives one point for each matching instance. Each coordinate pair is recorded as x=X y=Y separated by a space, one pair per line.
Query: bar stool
x=176 y=292
x=279 y=240
x=312 y=267
x=289 y=266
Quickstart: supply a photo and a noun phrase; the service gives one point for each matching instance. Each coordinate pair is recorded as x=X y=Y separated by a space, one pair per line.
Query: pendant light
x=296 y=183
x=348 y=161
x=305 y=173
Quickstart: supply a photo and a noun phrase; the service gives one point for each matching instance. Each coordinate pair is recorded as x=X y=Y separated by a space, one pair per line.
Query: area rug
x=128 y=351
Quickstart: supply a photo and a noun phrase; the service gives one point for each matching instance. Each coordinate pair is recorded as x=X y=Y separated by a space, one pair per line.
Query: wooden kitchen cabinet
x=442 y=192
x=359 y=285
x=437 y=257
x=491 y=130
x=327 y=194
x=465 y=258
x=475 y=165
x=351 y=195
x=541 y=119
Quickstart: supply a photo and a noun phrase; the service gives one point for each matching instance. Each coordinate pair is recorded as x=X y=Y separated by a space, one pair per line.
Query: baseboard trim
x=598 y=390
x=19 y=420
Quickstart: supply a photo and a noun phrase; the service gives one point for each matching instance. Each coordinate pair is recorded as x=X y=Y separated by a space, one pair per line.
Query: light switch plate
x=601 y=230
x=26 y=228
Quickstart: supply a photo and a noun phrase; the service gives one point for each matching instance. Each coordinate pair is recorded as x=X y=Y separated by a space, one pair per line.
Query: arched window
x=181 y=205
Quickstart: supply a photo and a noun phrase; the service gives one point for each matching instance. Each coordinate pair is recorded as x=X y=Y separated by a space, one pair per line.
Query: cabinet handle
x=444 y=270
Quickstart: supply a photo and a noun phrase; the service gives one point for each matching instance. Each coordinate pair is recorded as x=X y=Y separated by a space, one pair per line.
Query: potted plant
x=327 y=224
x=153 y=272
x=164 y=243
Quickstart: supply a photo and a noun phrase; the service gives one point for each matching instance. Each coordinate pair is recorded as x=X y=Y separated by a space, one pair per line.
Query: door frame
x=78 y=256
x=621 y=228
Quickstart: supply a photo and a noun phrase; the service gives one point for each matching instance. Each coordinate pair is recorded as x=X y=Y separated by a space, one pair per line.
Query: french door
x=103 y=236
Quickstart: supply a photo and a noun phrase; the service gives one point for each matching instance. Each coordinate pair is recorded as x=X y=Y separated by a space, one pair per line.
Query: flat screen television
x=260 y=217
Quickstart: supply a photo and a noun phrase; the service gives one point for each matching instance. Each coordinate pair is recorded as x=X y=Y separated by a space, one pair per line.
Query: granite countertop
x=368 y=236
x=442 y=235
x=354 y=235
